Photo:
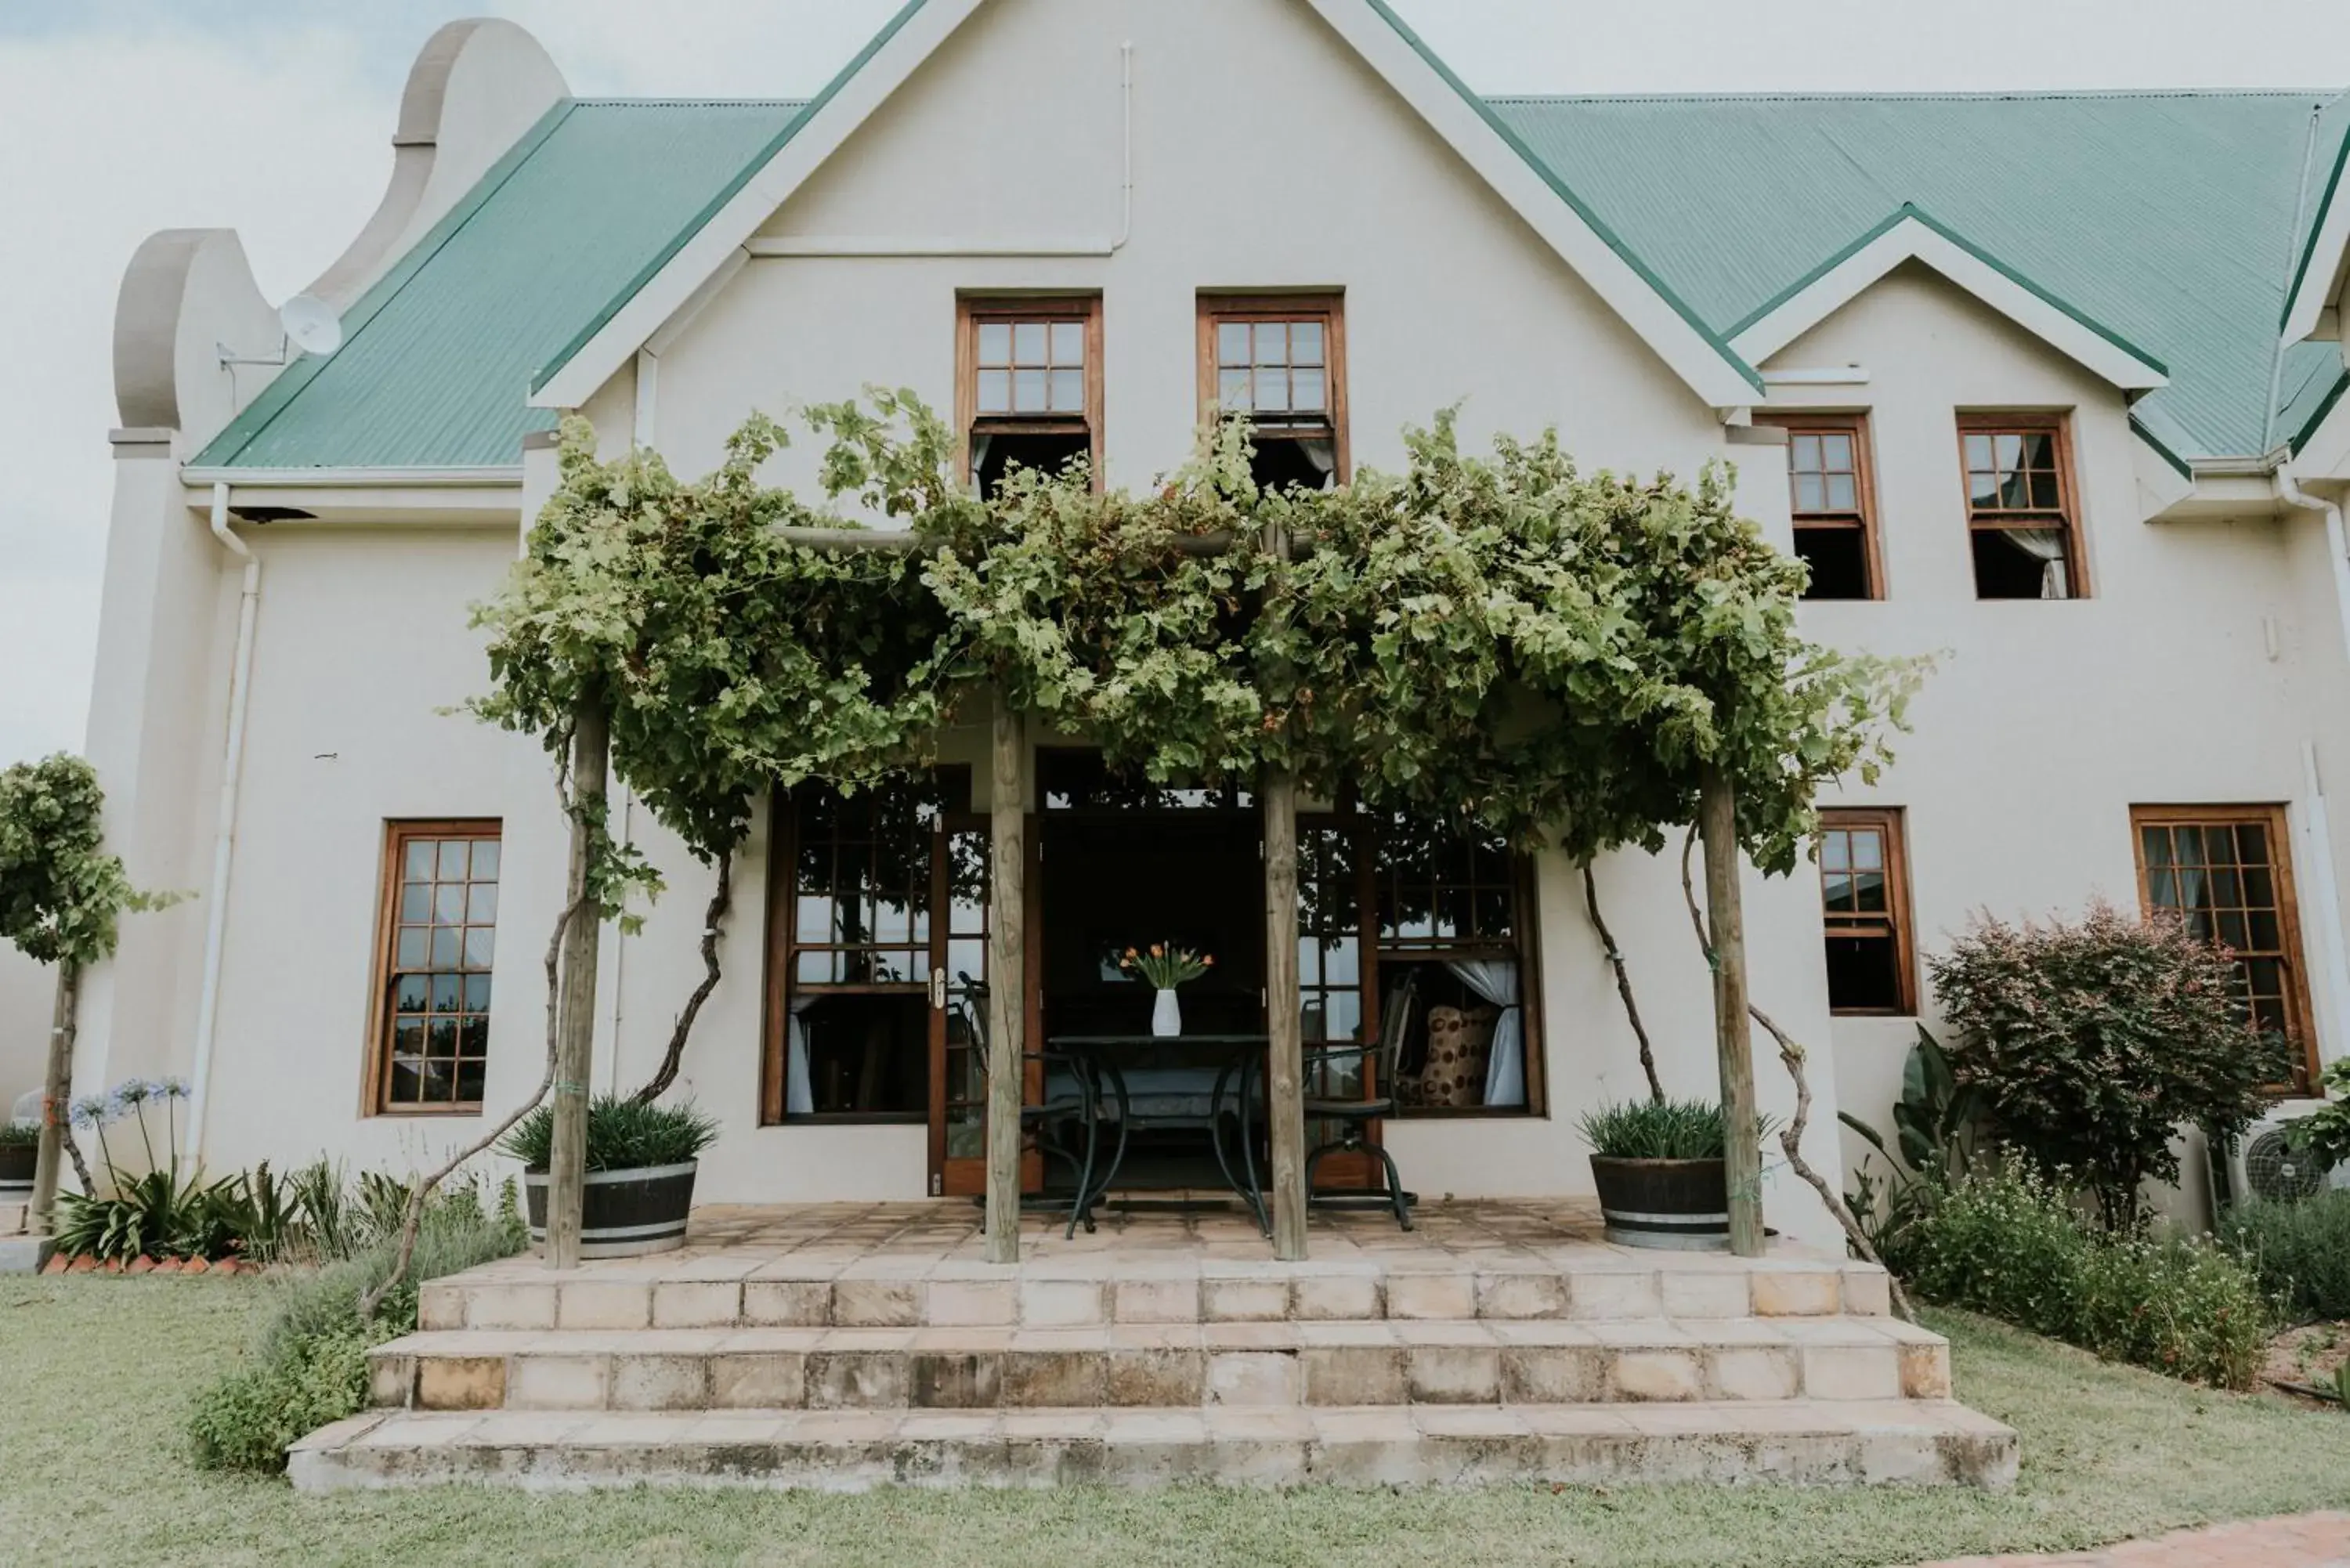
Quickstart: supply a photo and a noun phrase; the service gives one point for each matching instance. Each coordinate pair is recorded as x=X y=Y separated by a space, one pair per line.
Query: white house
x=2006 y=370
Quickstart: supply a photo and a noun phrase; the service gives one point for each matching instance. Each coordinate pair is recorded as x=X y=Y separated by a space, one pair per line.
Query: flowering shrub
x=2094 y=1042
x=2012 y=1243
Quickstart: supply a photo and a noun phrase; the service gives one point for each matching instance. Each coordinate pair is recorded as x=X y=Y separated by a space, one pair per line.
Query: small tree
x=62 y=897
x=2094 y=1042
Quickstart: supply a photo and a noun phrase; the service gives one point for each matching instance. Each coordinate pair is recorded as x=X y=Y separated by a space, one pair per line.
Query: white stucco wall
x=2045 y=722
x=28 y=993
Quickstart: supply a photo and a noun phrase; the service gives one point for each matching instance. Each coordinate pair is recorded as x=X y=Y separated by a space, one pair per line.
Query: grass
x=96 y=1377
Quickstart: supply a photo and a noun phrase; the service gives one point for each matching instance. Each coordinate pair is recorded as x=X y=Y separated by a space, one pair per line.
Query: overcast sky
x=274 y=118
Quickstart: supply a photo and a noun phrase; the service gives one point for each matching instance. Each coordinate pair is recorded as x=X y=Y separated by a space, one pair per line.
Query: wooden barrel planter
x=1673 y=1203
x=625 y=1213
x=16 y=1162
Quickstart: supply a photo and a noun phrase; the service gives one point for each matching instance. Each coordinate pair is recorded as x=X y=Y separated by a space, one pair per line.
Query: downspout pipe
x=224 y=830
x=2332 y=934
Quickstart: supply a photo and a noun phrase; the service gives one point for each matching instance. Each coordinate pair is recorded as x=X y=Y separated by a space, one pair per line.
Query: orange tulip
x=1158 y=950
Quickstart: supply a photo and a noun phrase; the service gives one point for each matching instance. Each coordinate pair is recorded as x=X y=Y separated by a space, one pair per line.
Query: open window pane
x=1830 y=504
x=1864 y=904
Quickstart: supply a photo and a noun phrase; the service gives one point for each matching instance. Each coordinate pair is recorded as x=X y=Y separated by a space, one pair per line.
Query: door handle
x=938 y=991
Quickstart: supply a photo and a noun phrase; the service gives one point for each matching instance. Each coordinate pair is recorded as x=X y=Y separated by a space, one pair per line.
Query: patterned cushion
x=1458 y=1045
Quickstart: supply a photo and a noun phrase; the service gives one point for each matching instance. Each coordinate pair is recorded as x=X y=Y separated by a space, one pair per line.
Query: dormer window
x=1030 y=387
x=1281 y=362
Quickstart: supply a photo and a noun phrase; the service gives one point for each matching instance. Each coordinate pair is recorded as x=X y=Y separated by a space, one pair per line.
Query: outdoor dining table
x=1238 y=1061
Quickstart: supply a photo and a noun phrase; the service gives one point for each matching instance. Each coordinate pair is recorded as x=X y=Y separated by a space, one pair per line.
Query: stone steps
x=1172 y=1367
x=1587 y=1284
x=1921 y=1442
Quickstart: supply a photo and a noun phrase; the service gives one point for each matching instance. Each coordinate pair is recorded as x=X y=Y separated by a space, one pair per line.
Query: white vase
x=1166 y=1017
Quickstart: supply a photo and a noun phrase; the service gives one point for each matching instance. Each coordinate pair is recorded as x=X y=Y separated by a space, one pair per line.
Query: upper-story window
x=1280 y=360
x=2022 y=520
x=1029 y=385
x=1834 y=512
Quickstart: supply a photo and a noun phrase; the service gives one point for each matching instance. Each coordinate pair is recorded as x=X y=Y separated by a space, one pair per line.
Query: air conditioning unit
x=2263 y=1164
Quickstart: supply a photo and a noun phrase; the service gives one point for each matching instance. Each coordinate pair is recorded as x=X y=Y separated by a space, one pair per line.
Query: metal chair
x=1081 y=1102
x=1355 y=1115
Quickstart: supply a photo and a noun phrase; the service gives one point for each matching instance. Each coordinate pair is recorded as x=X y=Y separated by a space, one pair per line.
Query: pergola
x=1277 y=794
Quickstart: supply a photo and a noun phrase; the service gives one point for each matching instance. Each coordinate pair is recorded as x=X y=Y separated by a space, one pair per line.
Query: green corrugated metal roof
x=2165 y=218
x=437 y=357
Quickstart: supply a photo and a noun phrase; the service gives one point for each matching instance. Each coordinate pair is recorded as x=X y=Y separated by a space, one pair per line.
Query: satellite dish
x=311 y=325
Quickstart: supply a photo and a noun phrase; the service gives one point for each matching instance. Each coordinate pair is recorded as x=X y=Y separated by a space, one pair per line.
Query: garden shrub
x=2301 y=1251
x=2011 y=1243
x=2092 y=1042
x=308 y=1361
x=622 y=1135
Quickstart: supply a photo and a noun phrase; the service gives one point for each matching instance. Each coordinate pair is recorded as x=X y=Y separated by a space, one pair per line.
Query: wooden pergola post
x=1733 y=1037
x=1007 y=970
x=1284 y=1090
x=566 y=1164
x=56 y=1097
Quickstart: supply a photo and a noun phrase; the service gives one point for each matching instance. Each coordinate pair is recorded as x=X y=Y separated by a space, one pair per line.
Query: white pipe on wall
x=2318 y=830
x=225 y=832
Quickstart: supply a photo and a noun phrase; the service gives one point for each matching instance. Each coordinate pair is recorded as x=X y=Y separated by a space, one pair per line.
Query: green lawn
x=95 y=1376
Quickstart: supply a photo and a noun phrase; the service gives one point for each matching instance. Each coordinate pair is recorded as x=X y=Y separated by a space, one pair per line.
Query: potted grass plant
x=1658 y=1163
x=641 y=1159
x=20 y=1144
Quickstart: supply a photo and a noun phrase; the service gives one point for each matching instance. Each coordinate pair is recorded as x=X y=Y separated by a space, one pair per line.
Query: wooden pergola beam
x=1285 y=1091
x=1007 y=970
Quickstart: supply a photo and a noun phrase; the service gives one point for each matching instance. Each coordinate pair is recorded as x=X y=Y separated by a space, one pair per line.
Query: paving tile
x=558 y=1382
x=798 y=1301
x=604 y=1303
x=696 y=1303
x=877 y=1303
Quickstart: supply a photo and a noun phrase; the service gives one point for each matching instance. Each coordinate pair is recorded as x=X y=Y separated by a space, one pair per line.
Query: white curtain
x=1322 y=453
x=2047 y=546
x=799 y=1100
x=1496 y=979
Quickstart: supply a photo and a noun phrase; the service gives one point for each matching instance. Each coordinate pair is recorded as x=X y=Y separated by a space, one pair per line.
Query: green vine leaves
x=61 y=895
x=1492 y=641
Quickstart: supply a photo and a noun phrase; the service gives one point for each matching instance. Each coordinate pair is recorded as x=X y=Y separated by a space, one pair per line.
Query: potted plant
x=20 y=1145
x=1167 y=966
x=641 y=1159
x=1658 y=1168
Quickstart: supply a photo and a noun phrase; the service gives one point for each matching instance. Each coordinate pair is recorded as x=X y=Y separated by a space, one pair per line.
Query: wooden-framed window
x=1865 y=902
x=1832 y=496
x=1281 y=359
x=429 y=1025
x=2023 y=521
x=1028 y=384
x=1456 y=950
x=2228 y=871
x=853 y=946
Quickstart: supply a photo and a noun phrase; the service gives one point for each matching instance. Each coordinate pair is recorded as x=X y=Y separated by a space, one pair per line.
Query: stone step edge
x=1910 y=1442
x=1265 y=1365
x=1045 y=1302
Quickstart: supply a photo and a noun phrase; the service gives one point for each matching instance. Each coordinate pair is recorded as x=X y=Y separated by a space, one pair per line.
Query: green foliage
x=308 y=1362
x=2324 y=1133
x=2011 y=1243
x=2300 y=1250
x=19 y=1135
x=2092 y=1042
x=1935 y=1123
x=1658 y=1129
x=60 y=895
x=623 y=1134
x=248 y=1419
x=1500 y=641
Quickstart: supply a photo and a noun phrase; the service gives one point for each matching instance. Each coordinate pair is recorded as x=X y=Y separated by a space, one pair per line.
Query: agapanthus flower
x=132 y=1093
x=93 y=1111
x=172 y=1088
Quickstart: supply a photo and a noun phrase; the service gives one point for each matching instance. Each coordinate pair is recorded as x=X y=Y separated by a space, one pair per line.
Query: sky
x=274 y=118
